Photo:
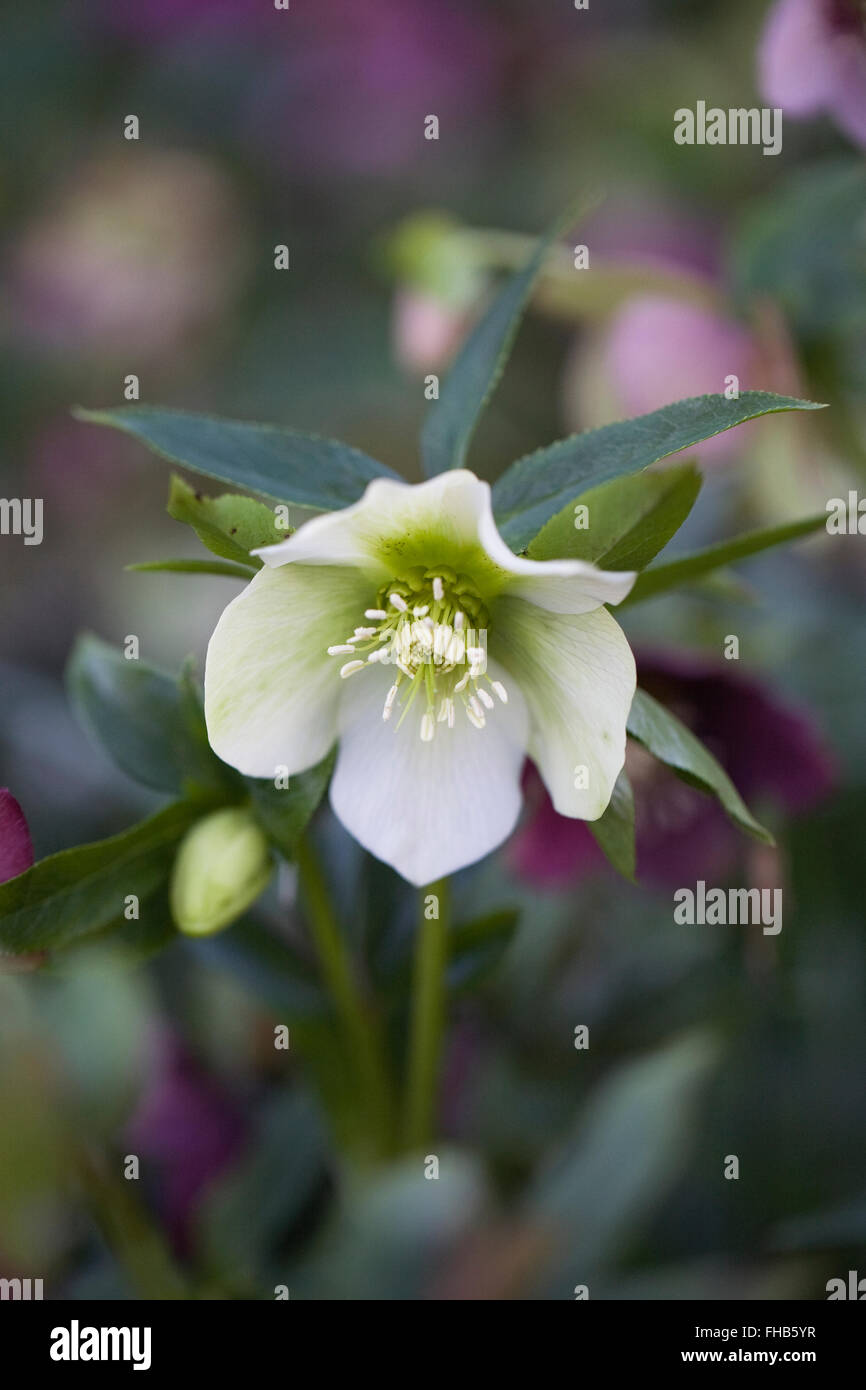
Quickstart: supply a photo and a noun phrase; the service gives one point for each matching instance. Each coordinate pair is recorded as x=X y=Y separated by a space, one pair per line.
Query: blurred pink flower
x=16 y=849
x=133 y=255
x=654 y=350
x=426 y=331
x=812 y=58
x=189 y=1128
x=772 y=753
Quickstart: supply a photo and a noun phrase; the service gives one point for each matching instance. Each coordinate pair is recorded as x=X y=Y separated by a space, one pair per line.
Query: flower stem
x=359 y=1023
x=428 y=1018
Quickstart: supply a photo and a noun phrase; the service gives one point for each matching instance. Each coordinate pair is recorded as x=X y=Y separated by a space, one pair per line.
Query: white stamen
x=476 y=709
x=459 y=620
x=375 y=613
x=389 y=702
x=500 y=691
x=443 y=710
x=476 y=719
x=428 y=727
x=380 y=654
x=438 y=590
x=462 y=683
x=397 y=602
x=422 y=610
x=365 y=631
x=486 y=700
x=351 y=667
x=450 y=714
x=340 y=650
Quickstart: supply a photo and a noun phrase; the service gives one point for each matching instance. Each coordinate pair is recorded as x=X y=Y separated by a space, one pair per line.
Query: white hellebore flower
x=405 y=628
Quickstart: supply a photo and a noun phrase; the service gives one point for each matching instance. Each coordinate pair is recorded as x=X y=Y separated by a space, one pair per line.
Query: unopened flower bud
x=222 y=866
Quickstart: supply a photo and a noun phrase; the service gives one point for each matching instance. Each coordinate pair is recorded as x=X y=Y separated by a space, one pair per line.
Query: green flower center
x=432 y=626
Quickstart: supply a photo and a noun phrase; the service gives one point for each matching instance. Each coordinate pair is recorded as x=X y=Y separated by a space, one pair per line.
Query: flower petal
x=427 y=809
x=796 y=68
x=271 y=690
x=577 y=674
x=16 y=850
x=448 y=521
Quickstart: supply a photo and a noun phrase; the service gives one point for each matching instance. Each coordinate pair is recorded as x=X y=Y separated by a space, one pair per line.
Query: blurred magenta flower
x=189 y=1127
x=16 y=855
x=131 y=255
x=163 y=19
x=772 y=752
x=16 y=849
x=392 y=64
x=812 y=58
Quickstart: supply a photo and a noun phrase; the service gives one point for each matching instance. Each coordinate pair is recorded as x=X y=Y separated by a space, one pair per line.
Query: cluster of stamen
x=432 y=626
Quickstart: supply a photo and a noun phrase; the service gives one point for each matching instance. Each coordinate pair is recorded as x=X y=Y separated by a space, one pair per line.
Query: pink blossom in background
x=771 y=751
x=426 y=331
x=654 y=350
x=812 y=60
x=141 y=252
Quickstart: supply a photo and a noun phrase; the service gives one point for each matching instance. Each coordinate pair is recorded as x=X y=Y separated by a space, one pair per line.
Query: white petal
x=271 y=690
x=426 y=808
x=561 y=586
x=392 y=528
x=448 y=521
x=577 y=674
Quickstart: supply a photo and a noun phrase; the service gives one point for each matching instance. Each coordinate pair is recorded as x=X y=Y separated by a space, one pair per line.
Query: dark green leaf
x=268 y=966
x=231 y=526
x=613 y=832
x=537 y=486
x=628 y=1148
x=476 y=948
x=284 y=812
x=668 y=739
x=128 y=943
x=150 y=724
x=248 y=1215
x=302 y=469
x=79 y=892
x=451 y=421
x=222 y=567
x=661 y=578
x=629 y=520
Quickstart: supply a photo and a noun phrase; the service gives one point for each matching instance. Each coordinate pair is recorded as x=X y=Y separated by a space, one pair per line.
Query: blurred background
x=560 y=1165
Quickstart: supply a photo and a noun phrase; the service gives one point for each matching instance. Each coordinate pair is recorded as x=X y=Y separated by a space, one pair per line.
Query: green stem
x=428 y=1020
x=359 y=1023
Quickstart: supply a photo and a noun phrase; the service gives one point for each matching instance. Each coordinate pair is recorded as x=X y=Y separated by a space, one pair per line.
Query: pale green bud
x=222 y=866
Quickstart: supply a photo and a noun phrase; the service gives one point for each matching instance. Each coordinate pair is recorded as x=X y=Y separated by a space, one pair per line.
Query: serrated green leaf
x=302 y=469
x=661 y=578
x=613 y=832
x=230 y=525
x=149 y=723
x=283 y=812
x=451 y=420
x=540 y=484
x=669 y=740
x=629 y=520
x=226 y=568
x=79 y=892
